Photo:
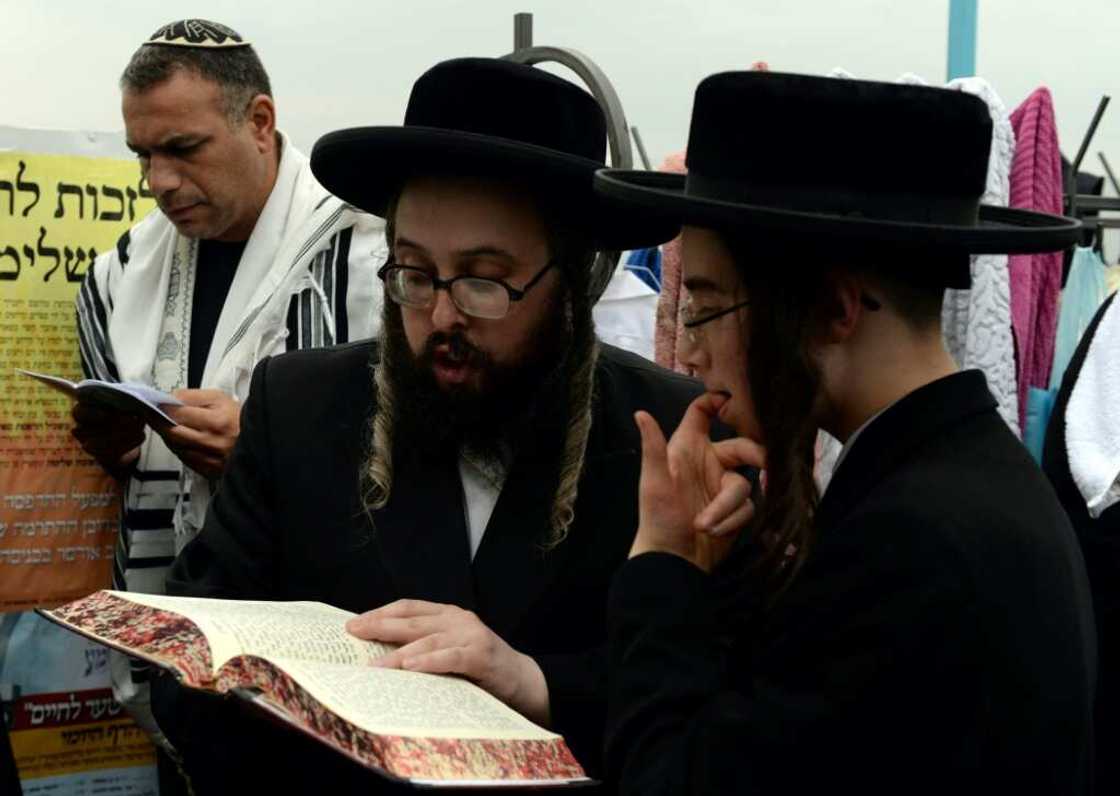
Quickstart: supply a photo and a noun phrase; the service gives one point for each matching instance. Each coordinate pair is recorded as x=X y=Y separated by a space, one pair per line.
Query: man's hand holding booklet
x=128 y=397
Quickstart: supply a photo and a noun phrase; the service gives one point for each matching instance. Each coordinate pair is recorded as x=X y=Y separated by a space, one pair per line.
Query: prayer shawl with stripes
x=307 y=278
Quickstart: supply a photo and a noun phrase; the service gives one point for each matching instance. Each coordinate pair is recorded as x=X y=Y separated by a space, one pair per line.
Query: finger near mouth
x=722 y=399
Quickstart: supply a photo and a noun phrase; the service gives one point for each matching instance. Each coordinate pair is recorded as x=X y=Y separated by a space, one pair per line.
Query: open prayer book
x=138 y=399
x=296 y=661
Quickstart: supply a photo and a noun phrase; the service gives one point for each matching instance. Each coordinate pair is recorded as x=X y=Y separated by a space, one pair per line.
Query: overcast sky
x=339 y=63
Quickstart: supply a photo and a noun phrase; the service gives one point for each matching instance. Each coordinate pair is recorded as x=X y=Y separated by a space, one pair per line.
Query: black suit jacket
x=1100 y=544
x=939 y=638
x=287 y=524
x=9 y=775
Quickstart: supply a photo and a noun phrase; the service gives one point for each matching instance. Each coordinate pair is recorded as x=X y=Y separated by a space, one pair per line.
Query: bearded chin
x=509 y=407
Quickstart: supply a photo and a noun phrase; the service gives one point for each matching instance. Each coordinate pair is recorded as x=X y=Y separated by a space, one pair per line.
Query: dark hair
x=917 y=304
x=789 y=308
x=238 y=70
x=573 y=254
x=784 y=383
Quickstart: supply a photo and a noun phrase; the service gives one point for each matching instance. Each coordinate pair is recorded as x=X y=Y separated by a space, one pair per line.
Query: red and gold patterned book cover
x=164 y=638
x=429 y=760
x=429 y=729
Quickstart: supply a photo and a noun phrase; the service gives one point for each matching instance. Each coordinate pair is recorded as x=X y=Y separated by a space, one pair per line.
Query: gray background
x=338 y=63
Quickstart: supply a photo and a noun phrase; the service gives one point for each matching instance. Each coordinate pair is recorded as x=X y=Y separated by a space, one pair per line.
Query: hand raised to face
x=692 y=502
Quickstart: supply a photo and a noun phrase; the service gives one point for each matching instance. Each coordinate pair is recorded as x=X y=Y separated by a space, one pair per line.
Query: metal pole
x=641 y=147
x=1091 y=132
x=522 y=31
x=962 y=38
x=1090 y=202
x=1071 y=189
x=1108 y=171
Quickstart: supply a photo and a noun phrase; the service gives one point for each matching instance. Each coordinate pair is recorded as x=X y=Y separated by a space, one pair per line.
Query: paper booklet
x=296 y=661
x=131 y=397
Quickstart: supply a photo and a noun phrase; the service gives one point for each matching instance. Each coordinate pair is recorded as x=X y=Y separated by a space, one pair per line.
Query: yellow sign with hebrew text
x=58 y=510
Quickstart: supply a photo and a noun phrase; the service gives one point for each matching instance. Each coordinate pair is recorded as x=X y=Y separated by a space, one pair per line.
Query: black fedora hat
x=840 y=165
x=489 y=117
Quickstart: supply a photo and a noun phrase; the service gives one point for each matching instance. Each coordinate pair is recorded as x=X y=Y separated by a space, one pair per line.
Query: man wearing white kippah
x=247 y=256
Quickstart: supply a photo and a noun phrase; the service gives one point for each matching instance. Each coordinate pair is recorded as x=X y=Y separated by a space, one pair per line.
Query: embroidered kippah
x=197 y=33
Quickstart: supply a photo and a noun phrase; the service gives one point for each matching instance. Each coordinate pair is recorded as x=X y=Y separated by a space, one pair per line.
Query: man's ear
x=261 y=118
x=843 y=306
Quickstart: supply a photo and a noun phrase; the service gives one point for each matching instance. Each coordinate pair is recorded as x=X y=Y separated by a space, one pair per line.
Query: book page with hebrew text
x=300 y=630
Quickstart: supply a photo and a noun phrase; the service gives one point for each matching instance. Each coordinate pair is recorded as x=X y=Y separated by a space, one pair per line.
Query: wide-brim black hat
x=491 y=118
x=835 y=164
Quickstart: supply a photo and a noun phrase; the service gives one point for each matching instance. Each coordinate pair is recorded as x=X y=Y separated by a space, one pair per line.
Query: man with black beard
x=513 y=407
x=470 y=482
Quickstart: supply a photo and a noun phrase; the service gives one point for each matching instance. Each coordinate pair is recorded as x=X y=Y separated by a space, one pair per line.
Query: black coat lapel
x=894 y=435
x=422 y=535
x=512 y=569
x=511 y=565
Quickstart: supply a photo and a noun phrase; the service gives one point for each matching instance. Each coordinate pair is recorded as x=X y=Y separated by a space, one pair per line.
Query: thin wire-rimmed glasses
x=476 y=296
x=691 y=323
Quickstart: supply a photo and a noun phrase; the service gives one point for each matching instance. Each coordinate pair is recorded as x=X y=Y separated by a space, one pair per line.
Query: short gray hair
x=237 y=70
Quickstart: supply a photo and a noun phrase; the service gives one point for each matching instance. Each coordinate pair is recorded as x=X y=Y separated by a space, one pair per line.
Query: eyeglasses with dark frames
x=477 y=296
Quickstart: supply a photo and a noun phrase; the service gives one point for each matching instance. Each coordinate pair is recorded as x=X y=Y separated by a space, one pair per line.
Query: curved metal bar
x=618 y=132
